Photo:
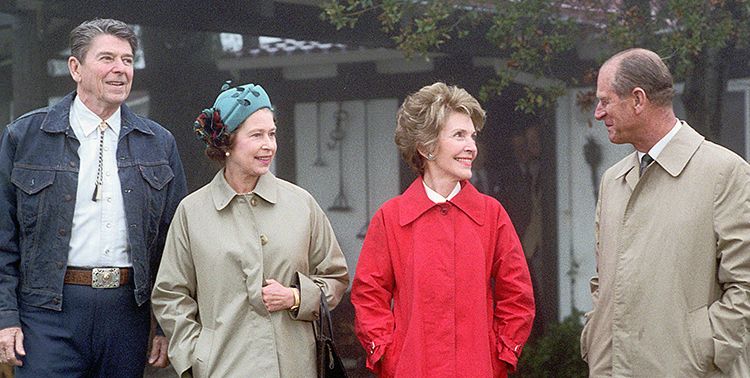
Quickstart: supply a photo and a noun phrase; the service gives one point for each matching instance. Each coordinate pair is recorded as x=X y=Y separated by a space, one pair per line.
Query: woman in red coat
x=441 y=288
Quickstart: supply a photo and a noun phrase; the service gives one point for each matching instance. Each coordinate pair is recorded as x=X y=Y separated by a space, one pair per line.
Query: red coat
x=462 y=297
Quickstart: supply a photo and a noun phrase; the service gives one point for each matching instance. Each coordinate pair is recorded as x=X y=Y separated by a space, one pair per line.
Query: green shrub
x=556 y=353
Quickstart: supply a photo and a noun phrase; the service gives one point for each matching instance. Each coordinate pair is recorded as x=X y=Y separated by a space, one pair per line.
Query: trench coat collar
x=222 y=194
x=414 y=202
x=676 y=154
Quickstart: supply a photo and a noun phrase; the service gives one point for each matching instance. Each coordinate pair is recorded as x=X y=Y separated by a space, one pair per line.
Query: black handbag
x=329 y=362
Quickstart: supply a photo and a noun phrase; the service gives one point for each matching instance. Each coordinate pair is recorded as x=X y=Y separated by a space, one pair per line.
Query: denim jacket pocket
x=157 y=176
x=31 y=183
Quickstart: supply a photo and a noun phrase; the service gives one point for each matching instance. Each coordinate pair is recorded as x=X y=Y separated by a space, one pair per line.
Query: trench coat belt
x=100 y=278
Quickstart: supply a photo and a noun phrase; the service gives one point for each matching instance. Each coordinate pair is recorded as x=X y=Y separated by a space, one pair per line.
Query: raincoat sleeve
x=730 y=315
x=328 y=270
x=173 y=298
x=372 y=292
x=513 y=294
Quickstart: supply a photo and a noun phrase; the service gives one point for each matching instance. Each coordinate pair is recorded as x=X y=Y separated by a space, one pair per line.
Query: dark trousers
x=98 y=333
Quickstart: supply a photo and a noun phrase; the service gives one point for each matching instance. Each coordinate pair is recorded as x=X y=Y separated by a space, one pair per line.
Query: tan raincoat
x=220 y=249
x=672 y=294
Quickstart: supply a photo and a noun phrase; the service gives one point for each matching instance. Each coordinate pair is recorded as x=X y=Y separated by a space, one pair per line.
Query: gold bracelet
x=295 y=306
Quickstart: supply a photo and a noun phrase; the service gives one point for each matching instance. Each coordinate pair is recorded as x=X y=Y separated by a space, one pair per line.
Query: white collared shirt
x=659 y=146
x=437 y=197
x=99 y=236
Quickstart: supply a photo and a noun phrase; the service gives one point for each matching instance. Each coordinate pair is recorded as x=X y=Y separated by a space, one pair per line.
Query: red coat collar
x=414 y=202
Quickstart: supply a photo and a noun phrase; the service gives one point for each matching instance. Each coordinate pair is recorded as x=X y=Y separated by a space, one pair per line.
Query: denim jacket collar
x=57 y=120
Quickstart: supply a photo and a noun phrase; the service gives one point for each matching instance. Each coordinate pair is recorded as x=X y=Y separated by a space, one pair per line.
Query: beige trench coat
x=672 y=291
x=220 y=248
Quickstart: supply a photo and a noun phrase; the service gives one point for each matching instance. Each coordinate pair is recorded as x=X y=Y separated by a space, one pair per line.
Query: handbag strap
x=324 y=320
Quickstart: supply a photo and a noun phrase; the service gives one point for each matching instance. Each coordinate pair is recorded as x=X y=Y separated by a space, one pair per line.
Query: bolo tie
x=98 y=186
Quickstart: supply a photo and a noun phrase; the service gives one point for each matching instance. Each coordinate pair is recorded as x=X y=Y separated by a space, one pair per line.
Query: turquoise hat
x=236 y=104
x=231 y=108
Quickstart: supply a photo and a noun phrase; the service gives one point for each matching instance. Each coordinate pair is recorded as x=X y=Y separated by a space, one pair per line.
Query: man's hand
x=11 y=346
x=158 y=357
x=276 y=296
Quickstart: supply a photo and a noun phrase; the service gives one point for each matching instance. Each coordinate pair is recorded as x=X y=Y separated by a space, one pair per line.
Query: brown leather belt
x=99 y=278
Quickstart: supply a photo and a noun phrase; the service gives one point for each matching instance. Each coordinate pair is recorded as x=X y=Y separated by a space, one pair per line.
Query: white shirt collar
x=659 y=146
x=88 y=121
x=437 y=197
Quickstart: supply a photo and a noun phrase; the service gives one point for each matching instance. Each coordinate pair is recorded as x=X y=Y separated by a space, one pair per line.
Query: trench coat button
x=68 y=197
x=254 y=201
x=60 y=265
x=61 y=232
x=263 y=239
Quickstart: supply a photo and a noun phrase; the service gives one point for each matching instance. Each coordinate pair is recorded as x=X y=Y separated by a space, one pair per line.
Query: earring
x=430 y=156
x=226 y=154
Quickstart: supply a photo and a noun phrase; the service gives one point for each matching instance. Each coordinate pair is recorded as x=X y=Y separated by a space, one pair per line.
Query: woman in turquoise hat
x=246 y=256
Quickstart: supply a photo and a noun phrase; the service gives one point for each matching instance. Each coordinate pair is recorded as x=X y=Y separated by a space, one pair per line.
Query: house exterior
x=336 y=94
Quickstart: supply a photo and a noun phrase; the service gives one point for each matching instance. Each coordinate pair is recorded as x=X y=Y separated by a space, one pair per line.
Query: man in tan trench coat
x=672 y=291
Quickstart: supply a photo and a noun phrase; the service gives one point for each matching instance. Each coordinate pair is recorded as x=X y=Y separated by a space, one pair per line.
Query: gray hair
x=642 y=68
x=83 y=34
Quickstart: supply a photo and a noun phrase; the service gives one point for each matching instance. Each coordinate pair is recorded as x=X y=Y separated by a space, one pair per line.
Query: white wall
x=576 y=201
x=323 y=181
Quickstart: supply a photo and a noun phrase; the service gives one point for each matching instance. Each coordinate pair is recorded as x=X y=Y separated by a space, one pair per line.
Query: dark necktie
x=645 y=161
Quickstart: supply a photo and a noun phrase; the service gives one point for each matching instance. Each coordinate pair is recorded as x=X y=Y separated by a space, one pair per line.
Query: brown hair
x=423 y=115
x=218 y=154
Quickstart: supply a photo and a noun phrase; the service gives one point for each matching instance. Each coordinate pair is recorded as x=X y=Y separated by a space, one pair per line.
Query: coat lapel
x=469 y=201
x=673 y=159
x=414 y=202
x=680 y=150
x=630 y=170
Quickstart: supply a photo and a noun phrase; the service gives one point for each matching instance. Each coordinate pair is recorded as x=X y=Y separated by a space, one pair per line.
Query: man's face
x=105 y=75
x=617 y=113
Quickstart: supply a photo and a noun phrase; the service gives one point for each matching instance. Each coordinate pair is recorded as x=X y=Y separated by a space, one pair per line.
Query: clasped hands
x=277 y=297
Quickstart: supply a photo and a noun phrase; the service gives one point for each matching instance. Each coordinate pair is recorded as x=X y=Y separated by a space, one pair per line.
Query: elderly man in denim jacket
x=87 y=191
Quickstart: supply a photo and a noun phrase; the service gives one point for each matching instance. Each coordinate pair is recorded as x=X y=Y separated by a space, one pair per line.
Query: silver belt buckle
x=105 y=278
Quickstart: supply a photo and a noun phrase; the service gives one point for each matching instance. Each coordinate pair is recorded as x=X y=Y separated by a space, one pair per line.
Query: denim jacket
x=38 y=180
